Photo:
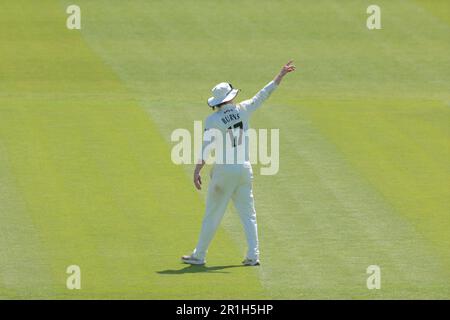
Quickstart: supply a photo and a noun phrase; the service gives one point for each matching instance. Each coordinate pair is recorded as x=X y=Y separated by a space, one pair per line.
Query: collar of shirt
x=227 y=106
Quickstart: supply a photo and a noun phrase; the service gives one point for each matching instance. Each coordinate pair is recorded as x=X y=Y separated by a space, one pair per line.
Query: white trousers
x=229 y=181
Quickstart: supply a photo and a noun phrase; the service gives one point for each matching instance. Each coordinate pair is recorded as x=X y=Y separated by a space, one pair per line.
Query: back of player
x=226 y=130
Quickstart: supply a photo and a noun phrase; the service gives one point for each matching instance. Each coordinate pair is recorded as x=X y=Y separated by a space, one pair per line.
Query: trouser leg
x=219 y=194
x=244 y=203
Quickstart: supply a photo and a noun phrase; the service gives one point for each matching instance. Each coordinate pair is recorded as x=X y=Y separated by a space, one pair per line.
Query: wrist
x=278 y=79
x=198 y=168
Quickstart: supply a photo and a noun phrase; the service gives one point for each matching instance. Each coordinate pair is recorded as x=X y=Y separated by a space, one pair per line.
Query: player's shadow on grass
x=198 y=269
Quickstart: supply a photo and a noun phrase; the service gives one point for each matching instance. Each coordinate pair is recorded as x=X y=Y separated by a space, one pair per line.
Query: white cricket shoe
x=192 y=260
x=251 y=262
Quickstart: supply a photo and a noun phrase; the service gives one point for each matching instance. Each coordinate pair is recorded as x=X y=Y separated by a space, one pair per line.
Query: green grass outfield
x=85 y=170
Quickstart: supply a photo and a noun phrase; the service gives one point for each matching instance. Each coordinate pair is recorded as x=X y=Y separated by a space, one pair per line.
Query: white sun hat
x=223 y=92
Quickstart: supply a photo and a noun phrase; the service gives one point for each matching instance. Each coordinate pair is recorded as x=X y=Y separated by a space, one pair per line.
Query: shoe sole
x=197 y=263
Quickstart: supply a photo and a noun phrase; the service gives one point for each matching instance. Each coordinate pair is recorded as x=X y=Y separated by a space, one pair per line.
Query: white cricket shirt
x=226 y=130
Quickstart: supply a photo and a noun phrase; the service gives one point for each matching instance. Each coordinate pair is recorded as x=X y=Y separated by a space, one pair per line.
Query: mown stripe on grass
x=22 y=264
x=333 y=223
x=97 y=178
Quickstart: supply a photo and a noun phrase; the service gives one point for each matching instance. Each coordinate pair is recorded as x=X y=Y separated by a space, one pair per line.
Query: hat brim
x=212 y=102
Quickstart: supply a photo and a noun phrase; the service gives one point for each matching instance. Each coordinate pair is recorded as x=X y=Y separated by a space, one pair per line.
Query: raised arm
x=253 y=103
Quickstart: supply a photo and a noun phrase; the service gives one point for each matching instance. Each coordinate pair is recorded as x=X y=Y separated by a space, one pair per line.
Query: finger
x=289 y=62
